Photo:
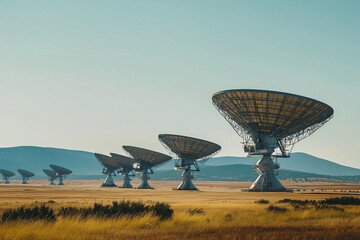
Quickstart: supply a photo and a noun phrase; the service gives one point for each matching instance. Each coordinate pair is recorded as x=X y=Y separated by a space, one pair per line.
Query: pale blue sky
x=95 y=75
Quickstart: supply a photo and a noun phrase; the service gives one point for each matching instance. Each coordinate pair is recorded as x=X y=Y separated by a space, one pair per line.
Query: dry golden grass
x=228 y=214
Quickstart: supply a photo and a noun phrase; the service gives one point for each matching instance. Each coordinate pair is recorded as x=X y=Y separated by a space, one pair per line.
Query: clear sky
x=96 y=75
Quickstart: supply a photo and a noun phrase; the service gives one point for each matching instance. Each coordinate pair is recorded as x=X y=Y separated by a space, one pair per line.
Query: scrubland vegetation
x=284 y=219
x=116 y=210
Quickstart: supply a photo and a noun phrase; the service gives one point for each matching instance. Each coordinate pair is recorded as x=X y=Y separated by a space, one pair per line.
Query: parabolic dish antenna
x=6 y=175
x=267 y=121
x=190 y=152
x=145 y=160
x=51 y=175
x=25 y=175
x=110 y=166
x=61 y=172
x=127 y=164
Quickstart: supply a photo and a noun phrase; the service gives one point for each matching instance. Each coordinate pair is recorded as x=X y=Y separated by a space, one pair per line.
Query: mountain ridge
x=34 y=158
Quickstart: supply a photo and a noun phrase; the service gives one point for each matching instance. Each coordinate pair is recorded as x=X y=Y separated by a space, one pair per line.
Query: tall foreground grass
x=208 y=221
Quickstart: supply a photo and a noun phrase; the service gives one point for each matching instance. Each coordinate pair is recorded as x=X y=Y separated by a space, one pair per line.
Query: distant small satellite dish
x=6 y=175
x=51 y=175
x=110 y=166
x=126 y=168
x=25 y=175
x=61 y=172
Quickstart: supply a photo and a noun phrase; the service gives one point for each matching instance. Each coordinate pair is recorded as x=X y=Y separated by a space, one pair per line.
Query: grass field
x=223 y=211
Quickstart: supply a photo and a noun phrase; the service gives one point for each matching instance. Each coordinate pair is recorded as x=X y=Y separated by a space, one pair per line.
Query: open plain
x=88 y=191
x=219 y=210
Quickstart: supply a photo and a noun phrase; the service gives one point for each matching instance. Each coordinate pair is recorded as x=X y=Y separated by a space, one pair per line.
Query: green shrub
x=161 y=210
x=328 y=201
x=117 y=209
x=195 y=211
x=297 y=202
x=262 y=201
x=341 y=201
x=273 y=208
x=35 y=213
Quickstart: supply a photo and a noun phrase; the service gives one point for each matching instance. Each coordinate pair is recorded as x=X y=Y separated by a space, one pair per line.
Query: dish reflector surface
x=147 y=157
x=49 y=172
x=25 y=173
x=108 y=161
x=288 y=116
x=124 y=161
x=60 y=170
x=7 y=173
x=188 y=147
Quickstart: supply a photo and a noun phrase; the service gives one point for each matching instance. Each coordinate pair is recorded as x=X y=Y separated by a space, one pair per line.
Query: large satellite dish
x=51 y=175
x=25 y=175
x=110 y=166
x=190 y=152
x=126 y=169
x=145 y=161
x=6 y=175
x=61 y=172
x=268 y=121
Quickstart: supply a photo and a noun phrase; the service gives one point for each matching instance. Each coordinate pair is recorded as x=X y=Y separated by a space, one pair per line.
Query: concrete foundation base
x=144 y=182
x=186 y=183
x=267 y=181
x=109 y=182
x=127 y=183
x=60 y=181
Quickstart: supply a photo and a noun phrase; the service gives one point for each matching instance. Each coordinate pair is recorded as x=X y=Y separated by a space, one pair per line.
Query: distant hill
x=85 y=166
x=298 y=162
x=238 y=172
x=245 y=173
x=37 y=158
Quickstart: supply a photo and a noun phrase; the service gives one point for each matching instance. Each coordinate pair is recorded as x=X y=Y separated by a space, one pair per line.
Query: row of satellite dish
x=269 y=122
x=56 y=172
x=189 y=152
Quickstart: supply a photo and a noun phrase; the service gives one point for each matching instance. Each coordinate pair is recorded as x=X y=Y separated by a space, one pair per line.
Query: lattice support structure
x=24 y=180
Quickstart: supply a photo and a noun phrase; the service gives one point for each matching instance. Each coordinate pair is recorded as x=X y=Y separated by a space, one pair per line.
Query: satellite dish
x=25 y=175
x=270 y=121
x=126 y=168
x=145 y=161
x=61 y=172
x=6 y=175
x=110 y=166
x=51 y=175
x=190 y=152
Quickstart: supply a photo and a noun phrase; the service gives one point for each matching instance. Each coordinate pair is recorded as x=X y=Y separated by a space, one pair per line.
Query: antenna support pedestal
x=186 y=183
x=23 y=181
x=51 y=182
x=6 y=180
x=109 y=181
x=144 y=181
x=127 y=183
x=267 y=181
x=60 y=181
